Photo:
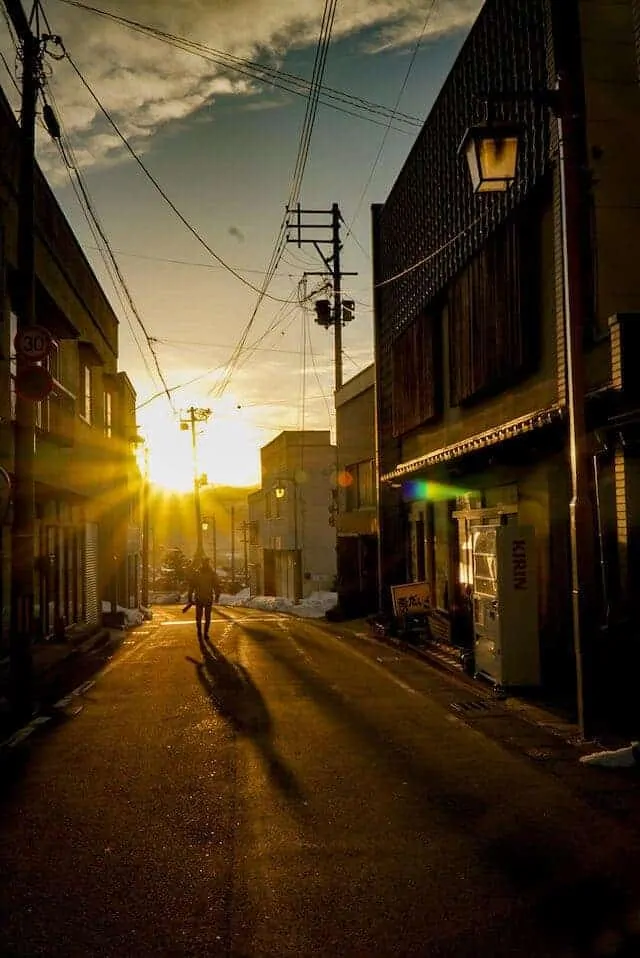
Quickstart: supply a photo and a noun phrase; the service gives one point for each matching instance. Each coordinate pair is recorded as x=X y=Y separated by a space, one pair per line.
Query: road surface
x=286 y=791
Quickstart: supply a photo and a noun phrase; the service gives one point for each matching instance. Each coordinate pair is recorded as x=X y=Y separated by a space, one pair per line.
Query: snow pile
x=313 y=606
x=164 y=598
x=132 y=617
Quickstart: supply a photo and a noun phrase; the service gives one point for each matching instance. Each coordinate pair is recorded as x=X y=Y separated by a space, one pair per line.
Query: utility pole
x=245 y=544
x=145 y=530
x=22 y=538
x=342 y=310
x=233 y=545
x=189 y=422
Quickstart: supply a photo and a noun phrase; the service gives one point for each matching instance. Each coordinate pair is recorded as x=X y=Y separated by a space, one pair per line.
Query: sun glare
x=228 y=449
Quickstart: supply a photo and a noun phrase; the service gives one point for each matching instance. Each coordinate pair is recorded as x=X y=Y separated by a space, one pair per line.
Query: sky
x=222 y=144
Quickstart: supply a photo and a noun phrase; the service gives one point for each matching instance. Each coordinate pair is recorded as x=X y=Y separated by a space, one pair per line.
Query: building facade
x=471 y=372
x=292 y=547
x=356 y=506
x=87 y=488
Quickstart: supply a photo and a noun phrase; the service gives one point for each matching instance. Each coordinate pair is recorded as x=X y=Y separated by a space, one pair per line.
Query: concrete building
x=87 y=484
x=292 y=548
x=471 y=371
x=356 y=505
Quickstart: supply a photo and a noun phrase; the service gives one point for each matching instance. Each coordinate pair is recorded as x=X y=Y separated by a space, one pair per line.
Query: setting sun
x=228 y=447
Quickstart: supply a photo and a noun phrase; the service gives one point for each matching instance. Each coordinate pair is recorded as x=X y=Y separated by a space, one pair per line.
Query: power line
x=315 y=367
x=326 y=28
x=184 y=262
x=430 y=256
x=99 y=232
x=173 y=389
x=398 y=98
x=157 y=185
x=280 y=79
x=195 y=345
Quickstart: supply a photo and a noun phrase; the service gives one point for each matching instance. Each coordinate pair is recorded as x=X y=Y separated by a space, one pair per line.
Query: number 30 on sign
x=33 y=343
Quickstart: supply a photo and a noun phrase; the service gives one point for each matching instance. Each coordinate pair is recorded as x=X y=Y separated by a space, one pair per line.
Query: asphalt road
x=287 y=791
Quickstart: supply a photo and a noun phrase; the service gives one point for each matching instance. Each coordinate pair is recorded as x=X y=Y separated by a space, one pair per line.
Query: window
x=360 y=491
x=108 y=414
x=267 y=505
x=85 y=384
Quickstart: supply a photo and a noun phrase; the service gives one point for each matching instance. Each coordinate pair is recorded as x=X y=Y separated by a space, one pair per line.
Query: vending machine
x=505 y=605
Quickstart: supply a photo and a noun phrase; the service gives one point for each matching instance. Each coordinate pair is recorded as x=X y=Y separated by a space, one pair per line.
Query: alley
x=286 y=791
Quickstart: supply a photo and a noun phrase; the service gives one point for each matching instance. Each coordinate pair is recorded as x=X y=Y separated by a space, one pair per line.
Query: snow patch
x=314 y=606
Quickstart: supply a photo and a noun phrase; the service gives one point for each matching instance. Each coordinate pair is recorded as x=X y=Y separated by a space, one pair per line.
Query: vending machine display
x=505 y=605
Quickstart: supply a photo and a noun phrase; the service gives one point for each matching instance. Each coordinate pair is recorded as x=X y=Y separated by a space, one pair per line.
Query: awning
x=481 y=440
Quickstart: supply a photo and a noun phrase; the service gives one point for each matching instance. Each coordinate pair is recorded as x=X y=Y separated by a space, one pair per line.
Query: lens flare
x=426 y=490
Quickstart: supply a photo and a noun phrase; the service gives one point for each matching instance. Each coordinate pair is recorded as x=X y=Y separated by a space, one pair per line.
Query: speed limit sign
x=33 y=343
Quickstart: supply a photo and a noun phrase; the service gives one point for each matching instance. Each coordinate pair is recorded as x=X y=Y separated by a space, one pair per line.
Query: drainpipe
x=603 y=561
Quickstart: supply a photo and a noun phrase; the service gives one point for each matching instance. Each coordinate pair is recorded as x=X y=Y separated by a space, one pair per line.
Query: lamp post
x=280 y=493
x=189 y=423
x=206 y=522
x=491 y=151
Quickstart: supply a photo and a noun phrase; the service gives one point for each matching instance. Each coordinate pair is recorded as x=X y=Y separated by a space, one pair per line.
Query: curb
x=533 y=714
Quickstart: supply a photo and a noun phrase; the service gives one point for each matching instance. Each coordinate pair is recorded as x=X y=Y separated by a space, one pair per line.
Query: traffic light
x=348 y=307
x=323 y=313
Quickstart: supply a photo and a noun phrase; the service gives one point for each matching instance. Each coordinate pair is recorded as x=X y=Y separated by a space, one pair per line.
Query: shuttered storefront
x=91 y=606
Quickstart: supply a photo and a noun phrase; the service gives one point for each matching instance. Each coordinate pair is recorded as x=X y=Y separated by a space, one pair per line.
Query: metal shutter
x=91 y=609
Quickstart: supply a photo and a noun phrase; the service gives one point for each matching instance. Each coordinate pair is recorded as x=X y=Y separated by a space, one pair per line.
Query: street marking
x=25 y=732
x=190 y=622
x=63 y=702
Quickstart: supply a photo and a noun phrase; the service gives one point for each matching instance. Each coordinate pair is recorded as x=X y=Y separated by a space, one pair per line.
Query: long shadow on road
x=235 y=696
x=572 y=901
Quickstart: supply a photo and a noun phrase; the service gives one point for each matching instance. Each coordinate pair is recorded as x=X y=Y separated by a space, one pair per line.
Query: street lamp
x=206 y=522
x=280 y=492
x=491 y=151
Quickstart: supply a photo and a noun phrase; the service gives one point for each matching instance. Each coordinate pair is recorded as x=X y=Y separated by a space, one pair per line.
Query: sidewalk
x=48 y=659
x=532 y=708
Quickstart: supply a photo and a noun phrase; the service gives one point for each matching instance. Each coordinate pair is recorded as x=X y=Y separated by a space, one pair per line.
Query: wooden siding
x=494 y=312
x=416 y=374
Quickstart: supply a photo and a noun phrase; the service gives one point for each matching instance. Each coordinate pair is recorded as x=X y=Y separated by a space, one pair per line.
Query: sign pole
x=22 y=537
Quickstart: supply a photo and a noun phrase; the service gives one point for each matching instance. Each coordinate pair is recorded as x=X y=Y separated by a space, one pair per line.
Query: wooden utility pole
x=342 y=310
x=233 y=545
x=22 y=536
x=189 y=422
x=245 y=545
x=145 y=530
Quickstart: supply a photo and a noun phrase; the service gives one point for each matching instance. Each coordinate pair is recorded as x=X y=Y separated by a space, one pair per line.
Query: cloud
x=239 y=235
x=146 y=84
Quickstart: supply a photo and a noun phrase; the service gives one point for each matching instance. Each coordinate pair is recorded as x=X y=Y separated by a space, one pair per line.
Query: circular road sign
x=34 y=382
x=33 y=343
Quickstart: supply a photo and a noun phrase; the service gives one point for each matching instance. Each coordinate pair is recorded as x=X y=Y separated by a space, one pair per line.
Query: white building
x=293 y=544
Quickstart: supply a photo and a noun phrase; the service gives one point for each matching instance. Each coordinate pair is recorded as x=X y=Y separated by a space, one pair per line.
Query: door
x=269 y=559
